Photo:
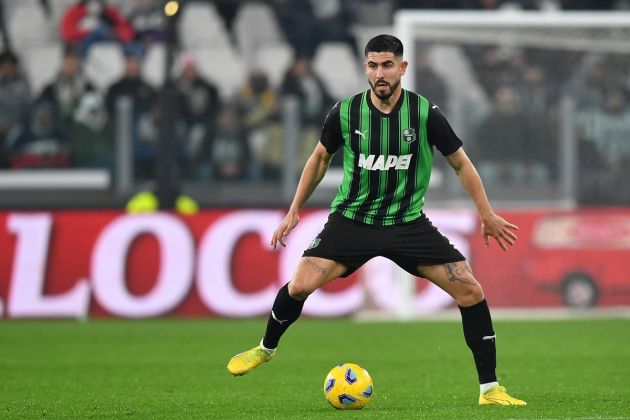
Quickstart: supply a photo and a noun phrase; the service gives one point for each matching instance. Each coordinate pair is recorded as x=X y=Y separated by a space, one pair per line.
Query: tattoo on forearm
x=459 y=271
x=315 y=266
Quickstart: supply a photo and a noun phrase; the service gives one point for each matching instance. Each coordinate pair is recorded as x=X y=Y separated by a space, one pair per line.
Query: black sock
x=480 y=337
x=284 y=312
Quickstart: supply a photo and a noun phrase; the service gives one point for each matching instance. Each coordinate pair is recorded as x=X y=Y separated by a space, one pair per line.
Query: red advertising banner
x=219 y=263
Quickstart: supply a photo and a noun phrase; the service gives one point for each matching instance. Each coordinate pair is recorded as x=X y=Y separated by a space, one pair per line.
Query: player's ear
x=403 y=67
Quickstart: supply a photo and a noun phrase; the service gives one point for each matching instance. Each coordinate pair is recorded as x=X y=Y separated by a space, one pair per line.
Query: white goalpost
x=595 y=32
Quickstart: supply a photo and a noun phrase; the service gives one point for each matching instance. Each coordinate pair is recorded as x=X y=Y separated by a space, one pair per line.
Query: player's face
x=384 y=71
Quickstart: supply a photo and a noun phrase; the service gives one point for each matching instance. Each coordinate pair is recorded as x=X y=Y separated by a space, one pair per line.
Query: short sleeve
x=439 y=132
x=331 y=137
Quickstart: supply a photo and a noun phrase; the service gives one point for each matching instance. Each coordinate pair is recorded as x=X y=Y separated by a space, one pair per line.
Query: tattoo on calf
x=315 y=266
x=459 y=271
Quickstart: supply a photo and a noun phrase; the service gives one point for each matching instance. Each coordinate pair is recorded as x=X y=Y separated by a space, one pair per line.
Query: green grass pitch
x=176 y=369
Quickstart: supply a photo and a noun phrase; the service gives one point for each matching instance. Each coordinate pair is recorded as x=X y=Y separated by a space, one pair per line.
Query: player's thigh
x=313 y=273
x=456 y=279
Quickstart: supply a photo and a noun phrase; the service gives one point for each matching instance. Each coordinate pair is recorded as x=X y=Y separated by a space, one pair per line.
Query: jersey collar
x=374 y=109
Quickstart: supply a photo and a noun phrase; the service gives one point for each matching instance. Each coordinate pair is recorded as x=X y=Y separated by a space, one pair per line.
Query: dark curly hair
x=385 y=43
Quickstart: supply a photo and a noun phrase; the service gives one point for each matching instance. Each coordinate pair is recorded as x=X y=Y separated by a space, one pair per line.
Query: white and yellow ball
x=348 y=387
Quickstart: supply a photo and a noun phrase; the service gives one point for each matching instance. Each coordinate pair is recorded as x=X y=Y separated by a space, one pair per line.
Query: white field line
x=512 y=314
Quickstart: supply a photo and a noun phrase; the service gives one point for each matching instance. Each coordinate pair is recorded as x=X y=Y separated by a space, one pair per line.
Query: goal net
x=540 y=99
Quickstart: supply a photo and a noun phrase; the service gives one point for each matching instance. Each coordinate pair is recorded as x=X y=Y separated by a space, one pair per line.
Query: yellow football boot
x=242 y=363
x=497 y=395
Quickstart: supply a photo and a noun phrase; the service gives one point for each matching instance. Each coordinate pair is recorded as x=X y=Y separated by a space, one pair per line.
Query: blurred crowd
x=71 y=124
x=603 y=130
x=519 y=141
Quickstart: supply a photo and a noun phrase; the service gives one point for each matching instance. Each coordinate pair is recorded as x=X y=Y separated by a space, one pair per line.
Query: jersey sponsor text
x=384 y=163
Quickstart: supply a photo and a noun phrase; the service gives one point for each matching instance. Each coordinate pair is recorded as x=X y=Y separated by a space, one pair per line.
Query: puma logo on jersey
x=383 y=163
x=361 y=134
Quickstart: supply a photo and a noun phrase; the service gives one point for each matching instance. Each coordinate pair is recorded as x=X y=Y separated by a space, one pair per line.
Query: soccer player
x=388 y=134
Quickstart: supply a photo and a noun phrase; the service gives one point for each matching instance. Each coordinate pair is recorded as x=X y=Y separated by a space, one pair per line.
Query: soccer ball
x=348 y=387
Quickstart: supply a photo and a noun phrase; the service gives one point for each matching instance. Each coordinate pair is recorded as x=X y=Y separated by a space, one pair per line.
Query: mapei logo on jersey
x=409 y=135
x=382 y=163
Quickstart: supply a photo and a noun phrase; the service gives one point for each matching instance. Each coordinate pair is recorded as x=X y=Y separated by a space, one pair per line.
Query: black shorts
x=409 y=245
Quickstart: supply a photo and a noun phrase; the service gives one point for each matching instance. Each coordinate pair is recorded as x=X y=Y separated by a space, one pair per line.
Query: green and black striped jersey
x=387 y=158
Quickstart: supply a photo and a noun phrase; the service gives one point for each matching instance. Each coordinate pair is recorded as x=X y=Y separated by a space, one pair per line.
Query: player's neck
x=386 y=106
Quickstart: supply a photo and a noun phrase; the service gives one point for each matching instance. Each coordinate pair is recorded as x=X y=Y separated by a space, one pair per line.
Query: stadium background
x=537 y=89
x=222 y=102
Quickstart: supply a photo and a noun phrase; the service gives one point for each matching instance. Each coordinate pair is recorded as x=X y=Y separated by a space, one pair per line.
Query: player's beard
x=385 y=96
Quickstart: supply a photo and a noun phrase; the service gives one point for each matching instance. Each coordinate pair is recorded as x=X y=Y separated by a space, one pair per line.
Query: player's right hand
x=288 y=223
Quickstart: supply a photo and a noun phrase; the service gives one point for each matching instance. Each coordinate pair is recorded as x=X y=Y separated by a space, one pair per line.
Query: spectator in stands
x=91 y=21
x=308 y=23
x=258 y=107
x=148 y=22
x=133 y=85
x=229 y=150
x=302 y=82
x=588 y=89
x=68 y=87
x=91 y=136
x=497 y=67
x=602 y=73
x=429 y=82
x=200 y=108
x=15 y=98
x=512 y=144
x=535 y=91
x=39 y=141
x=603 y=130
x=143 y=99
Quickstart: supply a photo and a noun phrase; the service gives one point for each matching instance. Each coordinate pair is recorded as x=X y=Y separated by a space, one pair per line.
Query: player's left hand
x=500 y=229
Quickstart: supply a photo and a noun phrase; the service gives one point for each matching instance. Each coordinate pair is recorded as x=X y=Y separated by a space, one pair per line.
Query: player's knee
x=299 y=290
x=470 y=296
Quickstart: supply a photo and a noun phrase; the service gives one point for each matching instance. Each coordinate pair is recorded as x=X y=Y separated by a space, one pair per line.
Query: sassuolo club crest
x=409 y=135
x=314 y=243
